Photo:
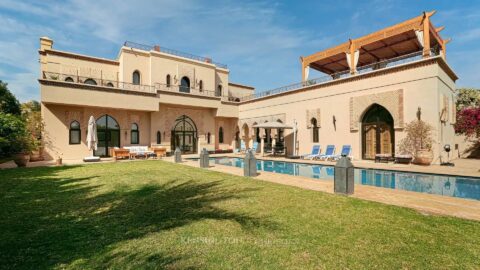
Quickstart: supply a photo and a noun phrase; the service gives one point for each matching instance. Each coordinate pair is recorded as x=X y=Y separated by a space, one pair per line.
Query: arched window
x=200 y=85
x=315 y=135
x=90 y=81
x=208 y=137
x=159 y=137
x=134 y=134
x=220 y=135
x=136 y=77
x=69 y=79
x=185 y=85
x=74 y=133
x=110 y=84
x=168 y=80
x=219 y=91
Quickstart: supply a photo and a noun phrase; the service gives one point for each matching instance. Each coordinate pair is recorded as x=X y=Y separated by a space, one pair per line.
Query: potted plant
x=21 y=149
x=418 y=142
x=59 y=160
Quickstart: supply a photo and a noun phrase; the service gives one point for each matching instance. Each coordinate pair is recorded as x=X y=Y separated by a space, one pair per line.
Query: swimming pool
x=446 y=185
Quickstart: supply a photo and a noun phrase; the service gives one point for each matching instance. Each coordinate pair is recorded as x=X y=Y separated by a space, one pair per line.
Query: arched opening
x=200 y=86
x=315 y=135
x=159 y=137
x=184 y=135
x=246 y=135
x=185 y=85
x=220 y=135
x=168 y=80
x=69 y=79
x=237 y=138
x=218 y=93
x=134 y=134
x=90 y=81
x=109 y=84
x=75 y=136
x=136 y=77
x=377 y=132
x=108 y=135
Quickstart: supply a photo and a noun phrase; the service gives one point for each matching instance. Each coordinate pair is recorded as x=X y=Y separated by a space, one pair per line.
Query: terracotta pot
x=58 y=161
x=21 y=159
x=423 y=157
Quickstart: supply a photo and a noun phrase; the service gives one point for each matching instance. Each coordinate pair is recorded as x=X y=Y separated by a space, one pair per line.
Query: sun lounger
x=346 y=151
x=329 y=153
x=315 y=152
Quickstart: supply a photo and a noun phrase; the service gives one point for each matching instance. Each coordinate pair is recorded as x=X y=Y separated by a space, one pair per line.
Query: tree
x=419 y=137
x=14 y=136
x=468 y=97
x=8 y=102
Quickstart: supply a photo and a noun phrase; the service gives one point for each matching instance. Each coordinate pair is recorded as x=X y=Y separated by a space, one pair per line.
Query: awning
x=272 y=125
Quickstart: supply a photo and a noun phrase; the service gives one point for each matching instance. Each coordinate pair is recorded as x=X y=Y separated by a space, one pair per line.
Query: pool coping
x=302 y=161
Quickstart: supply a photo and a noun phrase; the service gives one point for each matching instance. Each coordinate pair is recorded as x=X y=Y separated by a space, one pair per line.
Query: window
x=200 y=85
x=219 y=91
x=185 y=85
x=315 y=136
x=159 y=137
x=134 y=134
x=136 y=77
x=220 y=135
x=110 y=84
x=90 y=81
x=74 y=133
x=208 y=137
x=69 y=79
x=168 y=80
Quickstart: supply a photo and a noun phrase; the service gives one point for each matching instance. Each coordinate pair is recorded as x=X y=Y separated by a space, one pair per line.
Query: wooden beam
x=438 y=29
x=426 y=34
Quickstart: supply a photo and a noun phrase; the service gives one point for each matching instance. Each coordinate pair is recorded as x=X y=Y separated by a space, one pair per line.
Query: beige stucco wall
x=420 y=86
x=57 y=120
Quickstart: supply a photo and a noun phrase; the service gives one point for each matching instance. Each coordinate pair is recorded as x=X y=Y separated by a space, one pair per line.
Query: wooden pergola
x=414 y=35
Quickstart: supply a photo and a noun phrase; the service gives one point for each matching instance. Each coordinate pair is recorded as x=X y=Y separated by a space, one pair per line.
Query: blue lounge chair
x=346 y=151
x=254 y=147
x=315 y=152
x=243 y=147
x=329 y=153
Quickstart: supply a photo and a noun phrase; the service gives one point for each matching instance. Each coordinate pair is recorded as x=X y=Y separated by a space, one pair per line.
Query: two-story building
x=150 y=95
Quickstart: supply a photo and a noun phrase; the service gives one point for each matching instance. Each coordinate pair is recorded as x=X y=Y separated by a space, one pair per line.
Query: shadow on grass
x=51 y=221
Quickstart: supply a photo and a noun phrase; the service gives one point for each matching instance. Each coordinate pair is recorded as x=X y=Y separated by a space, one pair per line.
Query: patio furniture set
x=329 y=153
x=138 y=152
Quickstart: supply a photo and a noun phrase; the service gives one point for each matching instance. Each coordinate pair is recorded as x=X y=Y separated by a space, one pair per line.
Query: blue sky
x=260 y=41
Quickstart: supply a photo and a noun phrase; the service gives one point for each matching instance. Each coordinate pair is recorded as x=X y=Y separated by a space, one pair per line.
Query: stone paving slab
x=422 y=202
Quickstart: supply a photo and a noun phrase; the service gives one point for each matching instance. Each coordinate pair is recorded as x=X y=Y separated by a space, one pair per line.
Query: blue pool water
x=453 y=186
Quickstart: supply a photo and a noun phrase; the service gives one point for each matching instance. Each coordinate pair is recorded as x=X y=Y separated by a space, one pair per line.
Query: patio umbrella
x=92 y=134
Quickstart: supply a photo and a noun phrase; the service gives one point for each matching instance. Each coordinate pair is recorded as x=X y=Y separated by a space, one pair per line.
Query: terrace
x=106 y=84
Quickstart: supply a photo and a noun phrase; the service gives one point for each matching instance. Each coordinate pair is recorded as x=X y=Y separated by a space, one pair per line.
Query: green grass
x=154 y=214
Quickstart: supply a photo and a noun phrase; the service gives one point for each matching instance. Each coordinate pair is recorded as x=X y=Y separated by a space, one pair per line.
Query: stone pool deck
x=427 y=204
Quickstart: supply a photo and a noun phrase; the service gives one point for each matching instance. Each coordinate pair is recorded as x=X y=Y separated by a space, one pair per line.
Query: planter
x=21 y=159
x=58 y=161
x=423 y=157
x=36 y=155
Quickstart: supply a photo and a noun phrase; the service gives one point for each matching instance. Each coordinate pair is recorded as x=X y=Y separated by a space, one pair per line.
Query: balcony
x=157 y=48
x=135 y=88
x=381 y=65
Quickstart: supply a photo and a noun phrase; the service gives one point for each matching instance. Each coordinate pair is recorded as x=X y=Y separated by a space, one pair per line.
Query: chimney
x=45 y=43
x=156 y=48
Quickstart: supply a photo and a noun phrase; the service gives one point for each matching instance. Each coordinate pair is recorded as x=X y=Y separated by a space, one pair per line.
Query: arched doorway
x=246 y=135
x=377 y=132
x=237 y=138
x=184 y=135
x=108 y=135
x=185 y=85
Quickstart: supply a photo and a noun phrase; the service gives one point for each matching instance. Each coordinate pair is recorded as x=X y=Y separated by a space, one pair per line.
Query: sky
x=260 y=41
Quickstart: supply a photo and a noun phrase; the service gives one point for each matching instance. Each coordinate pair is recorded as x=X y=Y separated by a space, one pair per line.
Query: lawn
x=154 y=214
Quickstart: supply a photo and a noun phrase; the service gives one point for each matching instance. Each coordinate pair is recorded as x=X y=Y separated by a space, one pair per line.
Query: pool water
x=446 y=185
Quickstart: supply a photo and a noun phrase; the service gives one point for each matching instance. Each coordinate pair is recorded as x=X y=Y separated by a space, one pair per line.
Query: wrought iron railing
x=172 y=52
x=344 y=74
x=71 y=78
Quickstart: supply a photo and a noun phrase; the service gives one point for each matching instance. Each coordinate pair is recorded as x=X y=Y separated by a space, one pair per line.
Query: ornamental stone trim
x=391 y=100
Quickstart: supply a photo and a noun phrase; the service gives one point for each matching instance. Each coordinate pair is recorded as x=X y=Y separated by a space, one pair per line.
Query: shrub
x=468 y=122
x=14 y=136
x=419 y=137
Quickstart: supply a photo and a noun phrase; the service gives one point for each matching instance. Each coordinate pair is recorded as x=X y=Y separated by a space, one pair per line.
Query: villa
x=158 y=97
